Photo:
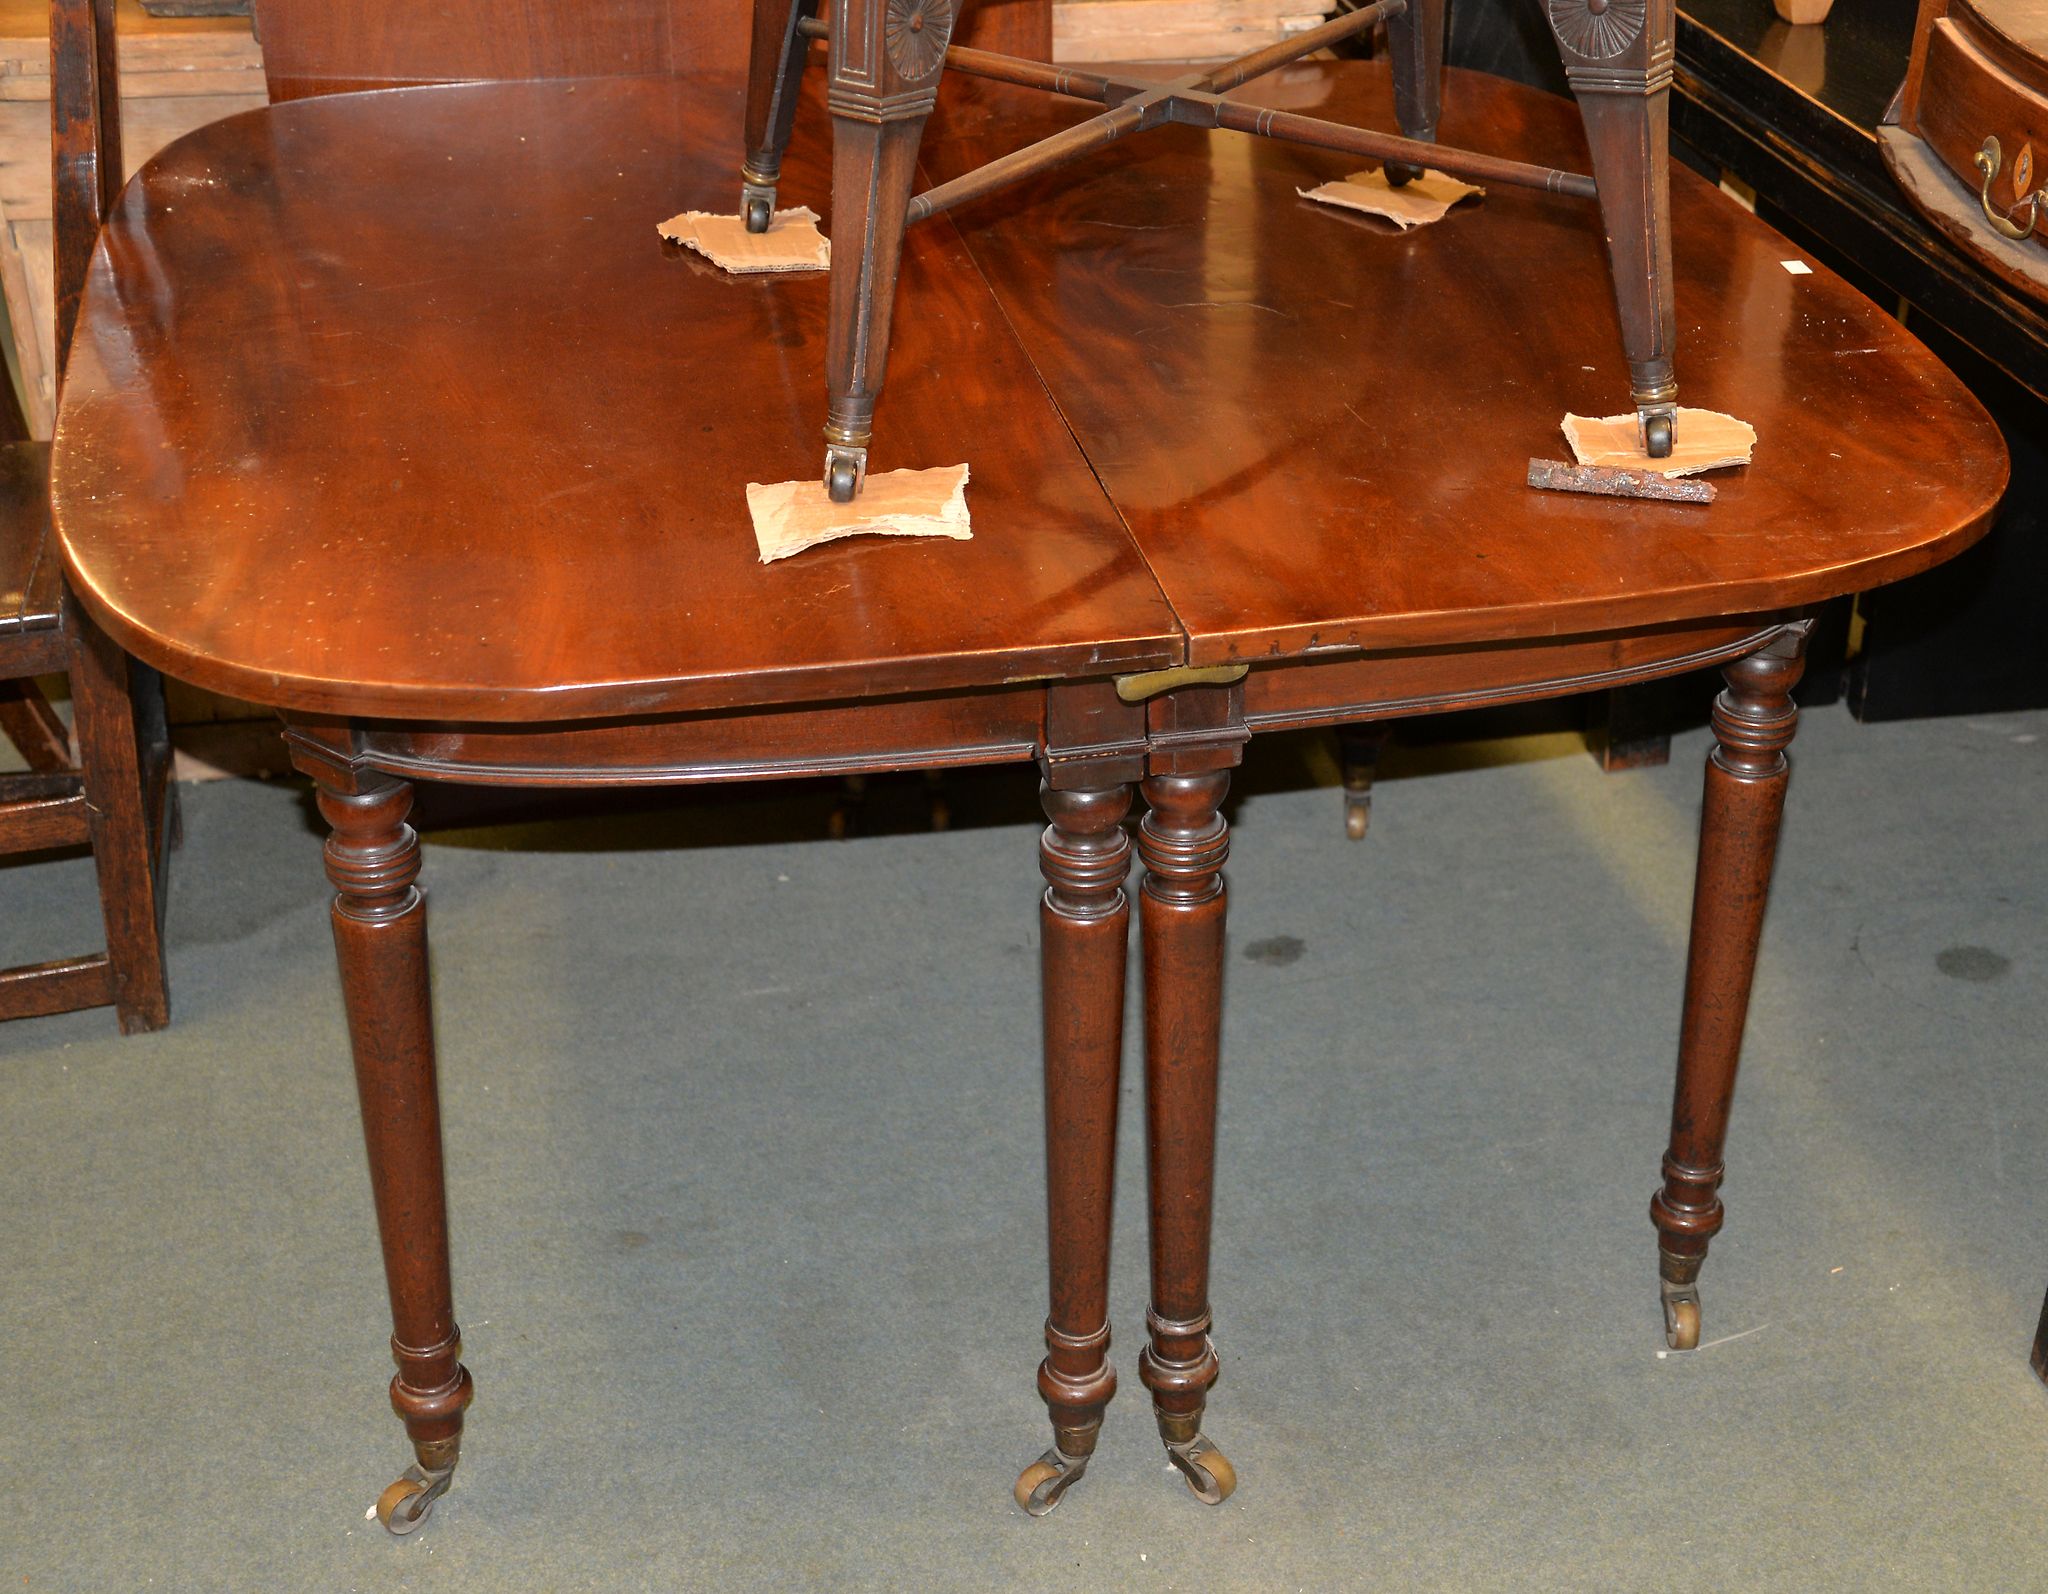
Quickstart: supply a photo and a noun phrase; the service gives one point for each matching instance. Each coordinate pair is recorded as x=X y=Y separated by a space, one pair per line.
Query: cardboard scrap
x=1416 y=203
x=1702 y=440
x=792 y=516
x=791 y=243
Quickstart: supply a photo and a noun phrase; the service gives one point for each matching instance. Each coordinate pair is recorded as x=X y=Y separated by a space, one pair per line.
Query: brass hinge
x=1150 y=683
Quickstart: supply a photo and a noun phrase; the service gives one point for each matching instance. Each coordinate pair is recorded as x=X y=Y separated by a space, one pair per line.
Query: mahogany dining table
x=390 y=411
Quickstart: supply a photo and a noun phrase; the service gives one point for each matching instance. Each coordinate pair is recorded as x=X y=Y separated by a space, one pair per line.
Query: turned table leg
x=1084 y=922
x=1184 y=841
x=1745 y=796
x=380 y=940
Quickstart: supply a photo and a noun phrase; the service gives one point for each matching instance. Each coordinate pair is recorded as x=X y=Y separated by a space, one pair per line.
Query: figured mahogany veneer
x=1379 y=502
x=389 y=411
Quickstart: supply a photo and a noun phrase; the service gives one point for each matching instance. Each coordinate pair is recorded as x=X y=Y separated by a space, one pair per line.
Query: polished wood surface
x=324 y=46
x=1381 y=504
x=472 y=513
x=491 y=464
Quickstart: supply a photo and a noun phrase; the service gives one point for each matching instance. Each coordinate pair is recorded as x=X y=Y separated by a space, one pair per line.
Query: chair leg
x=1747 y=774
x=1416 y=38
x=1184 y=840
x=1618 y=59
x=28 y=721
x=113 y=713
x=884 y=81
x=380 y=942
x=1084 y=923
x=775 y=74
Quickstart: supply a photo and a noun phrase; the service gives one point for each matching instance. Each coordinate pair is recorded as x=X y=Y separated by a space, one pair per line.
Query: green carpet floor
x=745 y=1168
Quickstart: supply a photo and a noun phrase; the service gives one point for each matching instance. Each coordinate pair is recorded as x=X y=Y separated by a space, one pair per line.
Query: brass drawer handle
x=1988 y=159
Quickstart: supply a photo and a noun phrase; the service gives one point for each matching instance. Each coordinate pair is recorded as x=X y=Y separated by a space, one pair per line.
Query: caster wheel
x=1682 y=1325
x=842 y=480
x=400 y=1509
x=1399 y=176
x=1657 y=436
x=1044 y=1483
x=759 y=213
x=1357 y=820
x=1029 y=1482
x=1210 y=1477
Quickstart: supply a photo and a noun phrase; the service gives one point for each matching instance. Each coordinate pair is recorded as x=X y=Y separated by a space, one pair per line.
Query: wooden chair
x=886 y=59
x=116 y=793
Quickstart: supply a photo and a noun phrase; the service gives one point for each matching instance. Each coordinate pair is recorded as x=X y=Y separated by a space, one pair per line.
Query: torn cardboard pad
x=1701 y=440
x=1416 y=203
x=791 y=243
x=792 y=516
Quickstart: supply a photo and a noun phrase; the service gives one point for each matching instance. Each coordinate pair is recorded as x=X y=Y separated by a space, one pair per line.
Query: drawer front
x=1967 y=95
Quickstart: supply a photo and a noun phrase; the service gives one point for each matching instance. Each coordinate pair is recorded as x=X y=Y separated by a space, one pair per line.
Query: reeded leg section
x=775 y=73
x=1618 y=56
x=1417 y=41
x=1747 y=772
x=1084 y=923
x=1184 y=842
x=380 y=941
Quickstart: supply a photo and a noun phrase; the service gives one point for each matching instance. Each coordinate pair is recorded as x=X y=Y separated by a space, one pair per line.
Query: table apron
x=1435 y=680
x=1001 y=725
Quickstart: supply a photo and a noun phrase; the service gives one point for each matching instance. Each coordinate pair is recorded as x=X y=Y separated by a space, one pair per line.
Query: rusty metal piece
x=1557 y=476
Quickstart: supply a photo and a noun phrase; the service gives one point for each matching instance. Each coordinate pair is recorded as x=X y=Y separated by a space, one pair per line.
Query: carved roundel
x=1598 y=29
x=915 y=32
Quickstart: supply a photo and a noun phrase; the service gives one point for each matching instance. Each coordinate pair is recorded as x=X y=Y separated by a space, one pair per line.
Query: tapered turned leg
x=885 y=72
x=775 y=73
x=1084 y=922
x=1618 y=55
x=1417 y=40
x=1184 y=842
x=380 y=940
x=1745 y=796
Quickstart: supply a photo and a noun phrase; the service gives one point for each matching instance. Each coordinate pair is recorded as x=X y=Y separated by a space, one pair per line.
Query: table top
x=396 y=405
x=390 y=405
x=1318 y=428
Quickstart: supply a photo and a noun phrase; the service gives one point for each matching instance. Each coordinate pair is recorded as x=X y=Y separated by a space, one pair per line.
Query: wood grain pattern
x=1380 y=504
x=520 y=428
x=323 y=46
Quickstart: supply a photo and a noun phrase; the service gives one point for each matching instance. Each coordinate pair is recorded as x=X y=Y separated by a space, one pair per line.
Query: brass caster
x=757 y=206
x=1357 y=817
x=1399 y=175
x=1681 y=1316
x=1211 y=1477
x=410 y=1501
x=1657 y=431
x=1044 y=1483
